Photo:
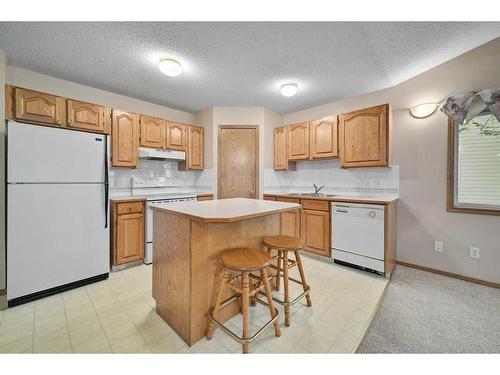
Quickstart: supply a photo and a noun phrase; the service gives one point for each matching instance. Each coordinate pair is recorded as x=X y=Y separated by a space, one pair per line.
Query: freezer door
x=43 y=154
x=55 y=235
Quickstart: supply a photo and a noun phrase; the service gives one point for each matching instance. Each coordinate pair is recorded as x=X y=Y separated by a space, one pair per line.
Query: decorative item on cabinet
x=152 y=132
x=363 y=137
x=194 y=153
x=127 y=232
x=124 y=139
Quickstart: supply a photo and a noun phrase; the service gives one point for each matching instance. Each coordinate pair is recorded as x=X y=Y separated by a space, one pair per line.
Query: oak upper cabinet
x=124 y=139
x=363 y=137
x=175 y=136
x=128 y=232
x=38 y=107
x=316 y=231
x=298 y=141
x=194 y=152
x=281 y=150
x=290 y=222
x=152 y=132
x=87 y=116
x=324 y=138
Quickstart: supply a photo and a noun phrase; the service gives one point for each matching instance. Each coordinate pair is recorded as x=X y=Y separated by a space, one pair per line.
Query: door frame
x=219 y=136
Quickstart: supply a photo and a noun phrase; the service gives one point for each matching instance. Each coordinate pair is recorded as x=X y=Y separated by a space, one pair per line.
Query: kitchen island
x=188 y=238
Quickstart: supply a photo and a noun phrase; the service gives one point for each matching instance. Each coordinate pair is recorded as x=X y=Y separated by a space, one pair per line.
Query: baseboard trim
x=451 y=274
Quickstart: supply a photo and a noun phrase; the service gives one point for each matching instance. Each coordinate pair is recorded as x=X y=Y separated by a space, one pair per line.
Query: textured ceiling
x=239 y=64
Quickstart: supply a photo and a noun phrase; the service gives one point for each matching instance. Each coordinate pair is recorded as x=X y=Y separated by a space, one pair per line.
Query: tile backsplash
x=335 y=179
x=120 y=178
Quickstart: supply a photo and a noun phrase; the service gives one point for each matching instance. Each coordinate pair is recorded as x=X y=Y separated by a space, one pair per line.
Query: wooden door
x=238 y=167
x=316 y=231
x=129 y=238
x=280 y=151
x=324 y=139
x=86 y=116
x=38 y=107
x=290 y=222
x=195 y=147
x=124 y=139
x=175 y=136
x=298 y=141
x=152 y=132
x=363 y=137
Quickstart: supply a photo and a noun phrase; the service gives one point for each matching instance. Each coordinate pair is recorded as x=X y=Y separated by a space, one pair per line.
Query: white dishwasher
x=358 y=235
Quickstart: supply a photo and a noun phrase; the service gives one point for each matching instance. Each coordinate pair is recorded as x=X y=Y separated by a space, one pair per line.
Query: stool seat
x=281 y=242
x=244 y=259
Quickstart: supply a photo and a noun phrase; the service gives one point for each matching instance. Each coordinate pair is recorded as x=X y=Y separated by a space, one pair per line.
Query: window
x=474 y=165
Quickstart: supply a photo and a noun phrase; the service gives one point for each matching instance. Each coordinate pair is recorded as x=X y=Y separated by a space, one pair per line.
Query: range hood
x=160 y=154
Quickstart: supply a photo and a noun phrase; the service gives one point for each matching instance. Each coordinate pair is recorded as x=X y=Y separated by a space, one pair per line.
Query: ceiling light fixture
x=289 y=89
x=170 y=67
x=423 y=110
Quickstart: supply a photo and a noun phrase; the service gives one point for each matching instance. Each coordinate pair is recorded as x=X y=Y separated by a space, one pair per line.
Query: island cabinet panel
x=324 y=139
x=152 y=132
x=38 y=107
x=87 y=116
x=175 y=136
x=127 y=232
x=316 y=231
x=124 y=139
x=363 y=137
x=298 y=141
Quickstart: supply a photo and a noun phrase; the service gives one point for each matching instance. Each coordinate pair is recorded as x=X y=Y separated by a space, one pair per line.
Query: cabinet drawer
x=269 y=198
x=314 y=204
x=130 y=207
x=290 y=200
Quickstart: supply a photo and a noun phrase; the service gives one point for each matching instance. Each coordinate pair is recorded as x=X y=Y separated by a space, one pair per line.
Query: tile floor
x=118 y=316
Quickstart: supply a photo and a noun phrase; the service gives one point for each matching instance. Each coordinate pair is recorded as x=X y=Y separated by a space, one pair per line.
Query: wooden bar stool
x=243 y=261
x=285 y=244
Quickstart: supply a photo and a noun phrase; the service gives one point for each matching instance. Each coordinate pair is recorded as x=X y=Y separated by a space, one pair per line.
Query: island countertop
x=226 y=210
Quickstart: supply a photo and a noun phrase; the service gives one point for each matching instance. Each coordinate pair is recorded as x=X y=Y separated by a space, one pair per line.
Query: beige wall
x=419 y=148
x=41 y=82
x=3 y=67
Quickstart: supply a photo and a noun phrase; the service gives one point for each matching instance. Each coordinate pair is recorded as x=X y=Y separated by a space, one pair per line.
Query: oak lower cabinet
x=363 y=137
x=152 y=132
x=316 y=231
x=175 y=136
x=290 y=222
x=127 y=231
x=124 y=139
x=195 y=149
x=298 y=141
x=205 y=197
x=87 y=116
x=324 y=138
x=37 y=107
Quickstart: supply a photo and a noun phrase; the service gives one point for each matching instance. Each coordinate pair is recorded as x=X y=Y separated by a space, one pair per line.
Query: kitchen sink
x=314 y=195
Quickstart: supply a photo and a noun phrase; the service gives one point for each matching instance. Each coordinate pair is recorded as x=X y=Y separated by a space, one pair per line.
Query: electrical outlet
x=438 y=246
x=474 y=252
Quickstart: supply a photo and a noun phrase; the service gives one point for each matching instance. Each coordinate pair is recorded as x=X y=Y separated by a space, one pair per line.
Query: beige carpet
x=427 y=313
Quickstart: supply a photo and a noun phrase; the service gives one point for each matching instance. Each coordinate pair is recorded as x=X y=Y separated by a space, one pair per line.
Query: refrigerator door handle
x=106 y=182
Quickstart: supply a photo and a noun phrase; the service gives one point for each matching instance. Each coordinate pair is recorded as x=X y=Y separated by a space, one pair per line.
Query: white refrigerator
x=57 y=210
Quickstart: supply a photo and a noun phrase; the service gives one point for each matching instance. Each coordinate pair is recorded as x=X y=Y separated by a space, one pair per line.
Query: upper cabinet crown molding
x=298 y=141
x=38 y=107
x=363 y=137
x=324 y=138
x=124 y=139
x=175 y=136
x=152 y=132
x=87 y=116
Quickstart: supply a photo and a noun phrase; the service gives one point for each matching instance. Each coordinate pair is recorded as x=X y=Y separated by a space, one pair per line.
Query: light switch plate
x=438 y=247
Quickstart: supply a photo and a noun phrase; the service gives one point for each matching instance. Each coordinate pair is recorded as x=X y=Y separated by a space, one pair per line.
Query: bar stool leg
x=286 y=286
x=278 y=267
x=302 y=276
x=218 y=301
x=267 y=288
x=245 y=285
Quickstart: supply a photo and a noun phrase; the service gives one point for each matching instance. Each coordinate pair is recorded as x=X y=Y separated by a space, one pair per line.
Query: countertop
x=226 y=210
x=157 y=196
x=342 y=197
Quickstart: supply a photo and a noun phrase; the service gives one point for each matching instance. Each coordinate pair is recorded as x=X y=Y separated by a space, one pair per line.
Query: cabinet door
x=280 y=151
x=298 y=141
x=195 y=148
x=152 y=132
x=175 y=136
x=85 y=116
x=316 y=231
x=363 y=137
x=324 y=140
x=290 y=222
x=129 y=238
x=39 y=107
x=124 y=139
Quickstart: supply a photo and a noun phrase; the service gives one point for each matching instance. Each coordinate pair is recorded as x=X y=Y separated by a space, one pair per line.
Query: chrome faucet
x=317 y=189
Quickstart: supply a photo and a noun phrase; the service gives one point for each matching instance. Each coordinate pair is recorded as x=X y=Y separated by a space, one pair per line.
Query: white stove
x=156 y=190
